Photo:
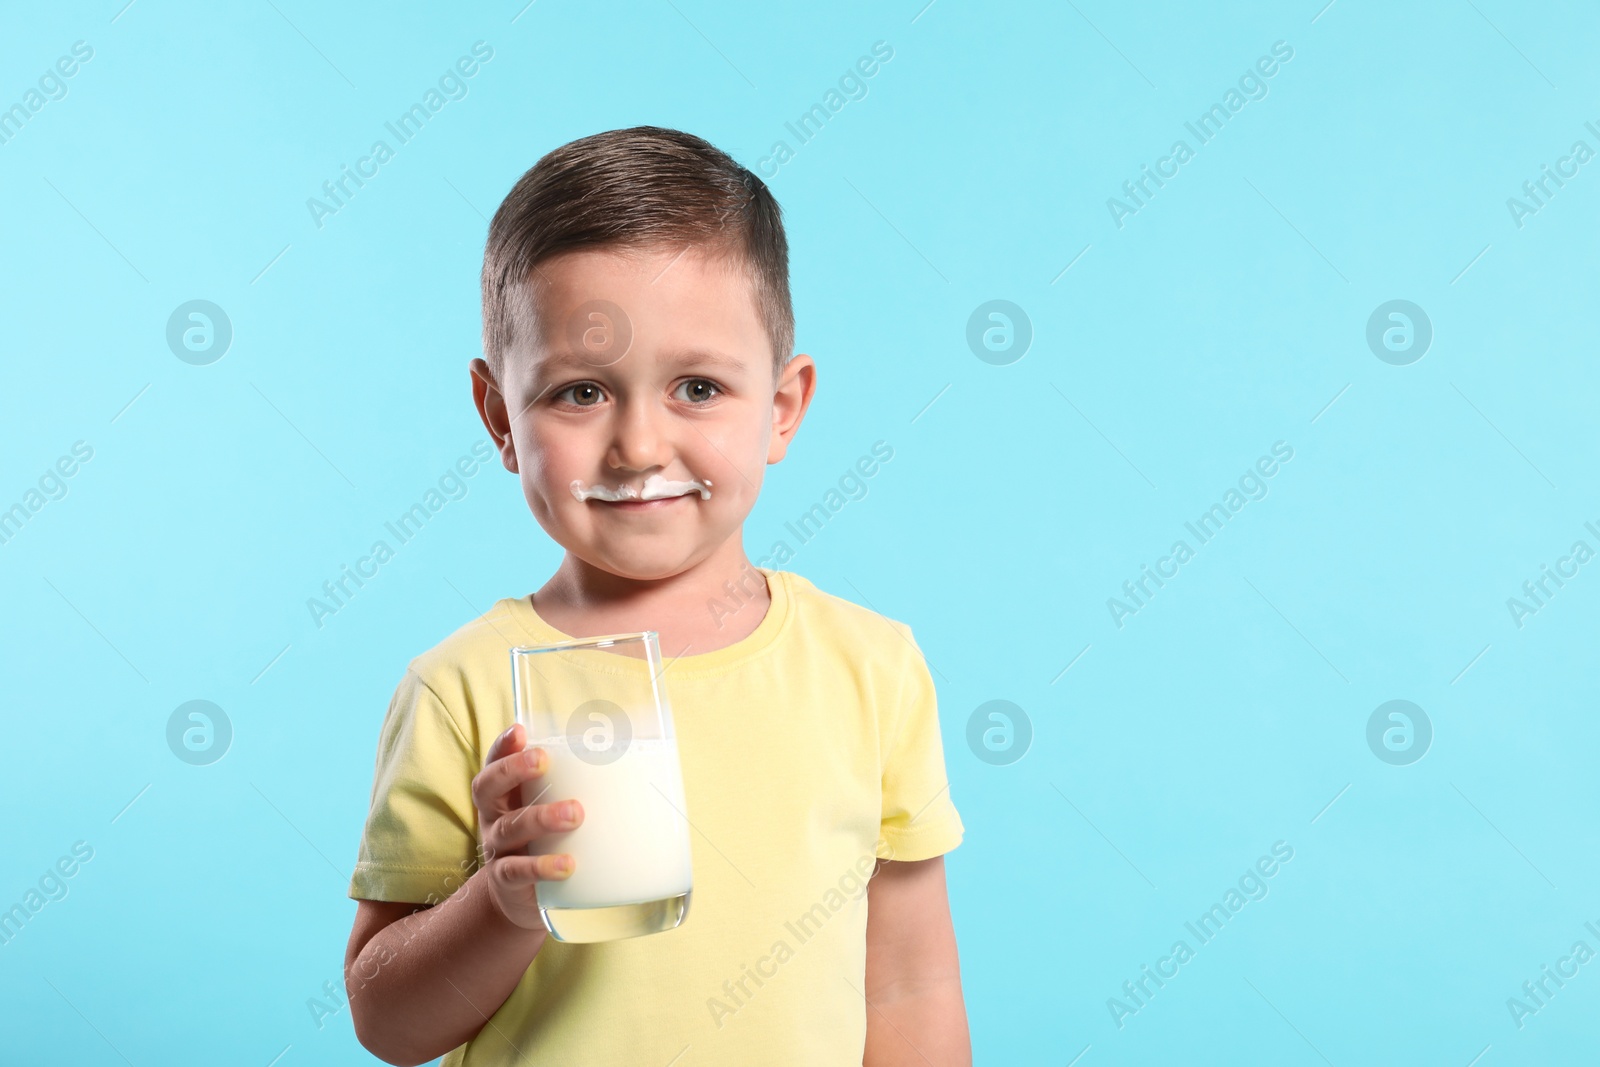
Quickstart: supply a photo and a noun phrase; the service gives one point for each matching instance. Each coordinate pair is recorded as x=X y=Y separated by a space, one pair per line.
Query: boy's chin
x=638 y=566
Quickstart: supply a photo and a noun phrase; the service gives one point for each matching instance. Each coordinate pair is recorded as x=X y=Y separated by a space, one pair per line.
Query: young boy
x=638 y=333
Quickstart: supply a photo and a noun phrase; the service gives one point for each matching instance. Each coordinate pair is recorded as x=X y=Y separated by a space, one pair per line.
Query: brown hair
x=638 y=188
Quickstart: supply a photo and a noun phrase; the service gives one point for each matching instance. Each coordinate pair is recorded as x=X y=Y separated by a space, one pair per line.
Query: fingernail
x=568 y=811
x=564 y=863
x=530 y=758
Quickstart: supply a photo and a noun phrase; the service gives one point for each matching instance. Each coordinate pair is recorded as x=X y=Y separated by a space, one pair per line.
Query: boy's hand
x=506 y=827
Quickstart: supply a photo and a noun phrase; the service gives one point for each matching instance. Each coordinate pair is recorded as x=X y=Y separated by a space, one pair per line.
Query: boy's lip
x=641 y=505
x=656 y=487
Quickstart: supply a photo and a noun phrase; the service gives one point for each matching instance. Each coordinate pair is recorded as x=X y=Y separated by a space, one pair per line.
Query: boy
x=638 y=334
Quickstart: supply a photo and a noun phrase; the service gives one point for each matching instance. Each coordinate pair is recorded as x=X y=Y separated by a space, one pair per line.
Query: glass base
x=586 y=925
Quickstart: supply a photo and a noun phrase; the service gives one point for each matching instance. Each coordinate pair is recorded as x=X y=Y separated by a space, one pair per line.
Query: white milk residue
x=633 y=843
x=655 y=488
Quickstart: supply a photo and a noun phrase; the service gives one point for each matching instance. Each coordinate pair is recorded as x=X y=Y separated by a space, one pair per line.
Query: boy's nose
x=638 y=441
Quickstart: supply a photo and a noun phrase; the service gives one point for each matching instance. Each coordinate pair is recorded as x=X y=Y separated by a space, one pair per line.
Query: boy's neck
x=713 y=604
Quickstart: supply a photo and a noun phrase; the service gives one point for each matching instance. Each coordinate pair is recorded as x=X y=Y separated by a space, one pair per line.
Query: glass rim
x=602 y=641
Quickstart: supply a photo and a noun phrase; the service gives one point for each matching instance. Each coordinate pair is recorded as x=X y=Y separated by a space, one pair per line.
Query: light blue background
x=1223 y=317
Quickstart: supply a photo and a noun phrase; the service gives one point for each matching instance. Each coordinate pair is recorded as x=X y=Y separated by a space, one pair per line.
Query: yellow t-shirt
x=809 y=748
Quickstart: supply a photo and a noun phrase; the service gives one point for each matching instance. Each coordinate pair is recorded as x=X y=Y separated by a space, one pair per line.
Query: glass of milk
x=598 y=707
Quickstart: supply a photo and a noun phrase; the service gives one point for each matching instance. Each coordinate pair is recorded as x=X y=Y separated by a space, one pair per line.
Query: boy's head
x=637 y=331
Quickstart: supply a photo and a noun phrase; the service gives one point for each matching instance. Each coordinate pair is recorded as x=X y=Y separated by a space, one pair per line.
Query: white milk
x=633 y=843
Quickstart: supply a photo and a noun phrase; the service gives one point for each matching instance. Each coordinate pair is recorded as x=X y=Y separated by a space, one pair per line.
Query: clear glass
x=598 y=706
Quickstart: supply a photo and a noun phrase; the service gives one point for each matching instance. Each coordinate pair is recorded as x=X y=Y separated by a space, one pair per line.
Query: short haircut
x=641 y=188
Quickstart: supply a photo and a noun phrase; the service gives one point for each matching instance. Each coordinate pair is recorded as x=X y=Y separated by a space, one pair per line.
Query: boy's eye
x=585 y=394
x=699 y=390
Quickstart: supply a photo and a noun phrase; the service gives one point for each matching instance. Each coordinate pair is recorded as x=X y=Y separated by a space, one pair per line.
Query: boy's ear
x=796 y=386
x=491 y=407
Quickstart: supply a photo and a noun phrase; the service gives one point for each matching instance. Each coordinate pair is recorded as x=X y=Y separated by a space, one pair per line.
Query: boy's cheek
x=740 y=450
x=544 y=507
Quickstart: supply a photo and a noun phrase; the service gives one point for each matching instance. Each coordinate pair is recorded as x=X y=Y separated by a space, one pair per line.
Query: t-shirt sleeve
x=919 y=818
x=420 y=841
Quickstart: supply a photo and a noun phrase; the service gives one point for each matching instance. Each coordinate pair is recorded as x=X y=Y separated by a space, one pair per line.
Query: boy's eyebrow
x=707 y=356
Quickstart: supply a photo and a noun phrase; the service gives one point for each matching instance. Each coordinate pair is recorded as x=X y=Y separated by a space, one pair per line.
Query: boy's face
x=691 y=397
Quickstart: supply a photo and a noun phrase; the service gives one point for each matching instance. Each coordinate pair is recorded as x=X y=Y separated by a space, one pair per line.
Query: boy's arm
x=915 y=1013
x=423 y=980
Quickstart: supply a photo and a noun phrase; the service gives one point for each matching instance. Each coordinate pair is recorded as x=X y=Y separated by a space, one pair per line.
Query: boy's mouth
x=644 y=505
x=656 y=491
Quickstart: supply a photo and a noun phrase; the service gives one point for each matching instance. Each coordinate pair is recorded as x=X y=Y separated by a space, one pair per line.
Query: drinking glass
x=598 y=707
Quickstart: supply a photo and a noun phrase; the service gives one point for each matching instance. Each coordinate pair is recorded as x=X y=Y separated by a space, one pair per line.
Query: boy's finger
x=525 y=870
x=493 y=787
x=514 y=830
x=508 y=742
